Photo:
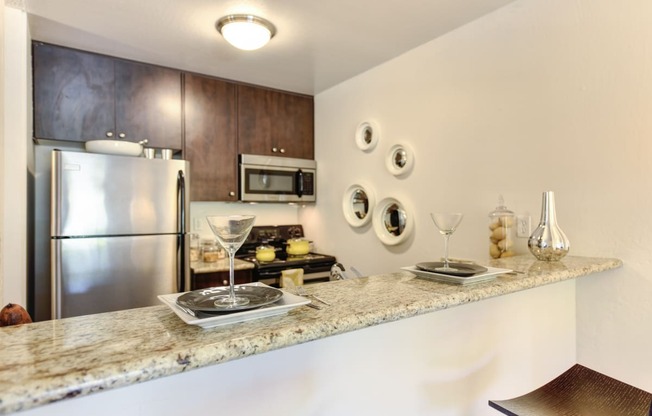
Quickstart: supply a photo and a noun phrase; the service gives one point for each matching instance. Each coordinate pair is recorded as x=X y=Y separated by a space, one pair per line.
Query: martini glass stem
x=446 y=237
x=231 y=275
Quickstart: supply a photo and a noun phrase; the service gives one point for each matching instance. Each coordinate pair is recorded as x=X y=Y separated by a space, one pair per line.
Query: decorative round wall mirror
x=357 y=203
x=392 y=221
x=367 y=135
x=400 y=159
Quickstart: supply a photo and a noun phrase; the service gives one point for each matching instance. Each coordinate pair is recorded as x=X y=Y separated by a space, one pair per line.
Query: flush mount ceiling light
x=245 y=31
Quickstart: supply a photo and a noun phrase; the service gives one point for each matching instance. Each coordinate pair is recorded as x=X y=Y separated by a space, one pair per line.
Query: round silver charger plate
x=203 y=300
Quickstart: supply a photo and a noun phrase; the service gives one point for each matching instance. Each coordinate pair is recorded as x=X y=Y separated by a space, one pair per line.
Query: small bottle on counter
x=502 y=231
x=211 y=251
x=195 y=250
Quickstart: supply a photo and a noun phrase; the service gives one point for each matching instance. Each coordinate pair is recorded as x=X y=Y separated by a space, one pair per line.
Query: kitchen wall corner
x=542 y=95
x=2 y=149
x=17 y=147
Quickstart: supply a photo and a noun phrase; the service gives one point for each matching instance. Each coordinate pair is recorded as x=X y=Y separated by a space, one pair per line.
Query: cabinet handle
x=109 y=134
x=274 y=149
x=122 y=135
x=231 y=193
x=282 y=150
x=225 y=282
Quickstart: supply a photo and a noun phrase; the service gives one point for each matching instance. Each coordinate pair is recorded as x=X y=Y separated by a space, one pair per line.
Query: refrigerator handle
x=181 y=236
x=55 y=248
x=55 y=194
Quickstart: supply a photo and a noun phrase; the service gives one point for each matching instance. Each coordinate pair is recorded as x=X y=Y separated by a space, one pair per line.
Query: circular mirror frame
x=347 y=204
x=390 y=160
x=385 y=236
x=364 y=129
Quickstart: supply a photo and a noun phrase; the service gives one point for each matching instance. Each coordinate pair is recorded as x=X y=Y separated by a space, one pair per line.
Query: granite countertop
x=222 y=265
x=54 y=360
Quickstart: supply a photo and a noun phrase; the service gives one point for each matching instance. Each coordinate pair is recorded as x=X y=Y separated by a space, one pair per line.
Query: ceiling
x=319 y=43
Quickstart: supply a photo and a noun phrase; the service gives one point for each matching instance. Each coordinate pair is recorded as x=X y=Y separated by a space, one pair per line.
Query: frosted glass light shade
x=246 y=32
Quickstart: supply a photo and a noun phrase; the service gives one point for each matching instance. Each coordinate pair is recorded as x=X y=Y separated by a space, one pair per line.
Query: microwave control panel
x=308 y=183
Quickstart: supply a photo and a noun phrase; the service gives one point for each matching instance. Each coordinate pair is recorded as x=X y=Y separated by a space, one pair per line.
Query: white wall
x=539 y=95
x=2 y=145
x=16 y=159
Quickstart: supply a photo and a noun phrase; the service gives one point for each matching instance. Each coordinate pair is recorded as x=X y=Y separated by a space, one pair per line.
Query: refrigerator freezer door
x=103 y=195
x=94 y=275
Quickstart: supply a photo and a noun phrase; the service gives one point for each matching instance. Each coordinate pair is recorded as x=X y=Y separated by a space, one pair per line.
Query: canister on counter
x=195 y=250
x=502 y=231
x=211 y=251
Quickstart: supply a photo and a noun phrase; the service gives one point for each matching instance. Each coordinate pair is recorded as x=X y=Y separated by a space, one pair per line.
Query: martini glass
x=231 y=231
x=446 y=223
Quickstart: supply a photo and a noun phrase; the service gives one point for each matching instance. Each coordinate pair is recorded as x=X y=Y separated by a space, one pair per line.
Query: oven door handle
x=269 y=274
x=298 y=180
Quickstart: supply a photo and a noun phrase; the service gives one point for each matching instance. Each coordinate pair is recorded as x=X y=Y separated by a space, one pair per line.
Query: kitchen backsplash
x=266 y=214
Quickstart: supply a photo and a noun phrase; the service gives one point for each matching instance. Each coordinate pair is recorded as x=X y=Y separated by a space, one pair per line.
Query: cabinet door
x=205 y=280
x=148 y=104
x=210 y=147
x=73 y=94
x=275 y=123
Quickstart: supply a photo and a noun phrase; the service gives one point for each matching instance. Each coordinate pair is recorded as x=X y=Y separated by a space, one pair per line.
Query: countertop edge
x=187 y=357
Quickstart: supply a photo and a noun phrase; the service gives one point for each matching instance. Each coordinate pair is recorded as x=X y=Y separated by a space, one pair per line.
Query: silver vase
x=548 y=242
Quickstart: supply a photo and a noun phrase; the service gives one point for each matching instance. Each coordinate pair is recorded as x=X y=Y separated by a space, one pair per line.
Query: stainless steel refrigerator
x=118 y=231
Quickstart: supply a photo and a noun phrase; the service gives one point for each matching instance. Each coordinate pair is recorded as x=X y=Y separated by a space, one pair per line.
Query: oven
x=316 y=266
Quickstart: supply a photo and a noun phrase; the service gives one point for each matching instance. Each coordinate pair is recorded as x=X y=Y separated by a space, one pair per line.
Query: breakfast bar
x=51 y=367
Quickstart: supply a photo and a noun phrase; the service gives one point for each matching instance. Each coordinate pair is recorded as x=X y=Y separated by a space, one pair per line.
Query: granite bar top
x=50 y=361
x=222 y=265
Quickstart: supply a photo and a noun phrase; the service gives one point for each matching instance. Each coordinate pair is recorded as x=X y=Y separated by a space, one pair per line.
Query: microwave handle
x=298 y=179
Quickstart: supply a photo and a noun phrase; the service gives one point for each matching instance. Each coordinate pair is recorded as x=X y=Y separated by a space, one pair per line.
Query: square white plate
x=491 y=273
x=283 y=305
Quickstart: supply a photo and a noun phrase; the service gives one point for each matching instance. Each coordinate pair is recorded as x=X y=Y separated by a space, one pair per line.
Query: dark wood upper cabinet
x=80 y=96
x=148 y=104
x=73 y=94
x=223 y=119
x=275 y=123
x=211 y=141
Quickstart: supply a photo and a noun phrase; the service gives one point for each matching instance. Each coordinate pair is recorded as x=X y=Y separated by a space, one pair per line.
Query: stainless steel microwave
x=277 y=179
